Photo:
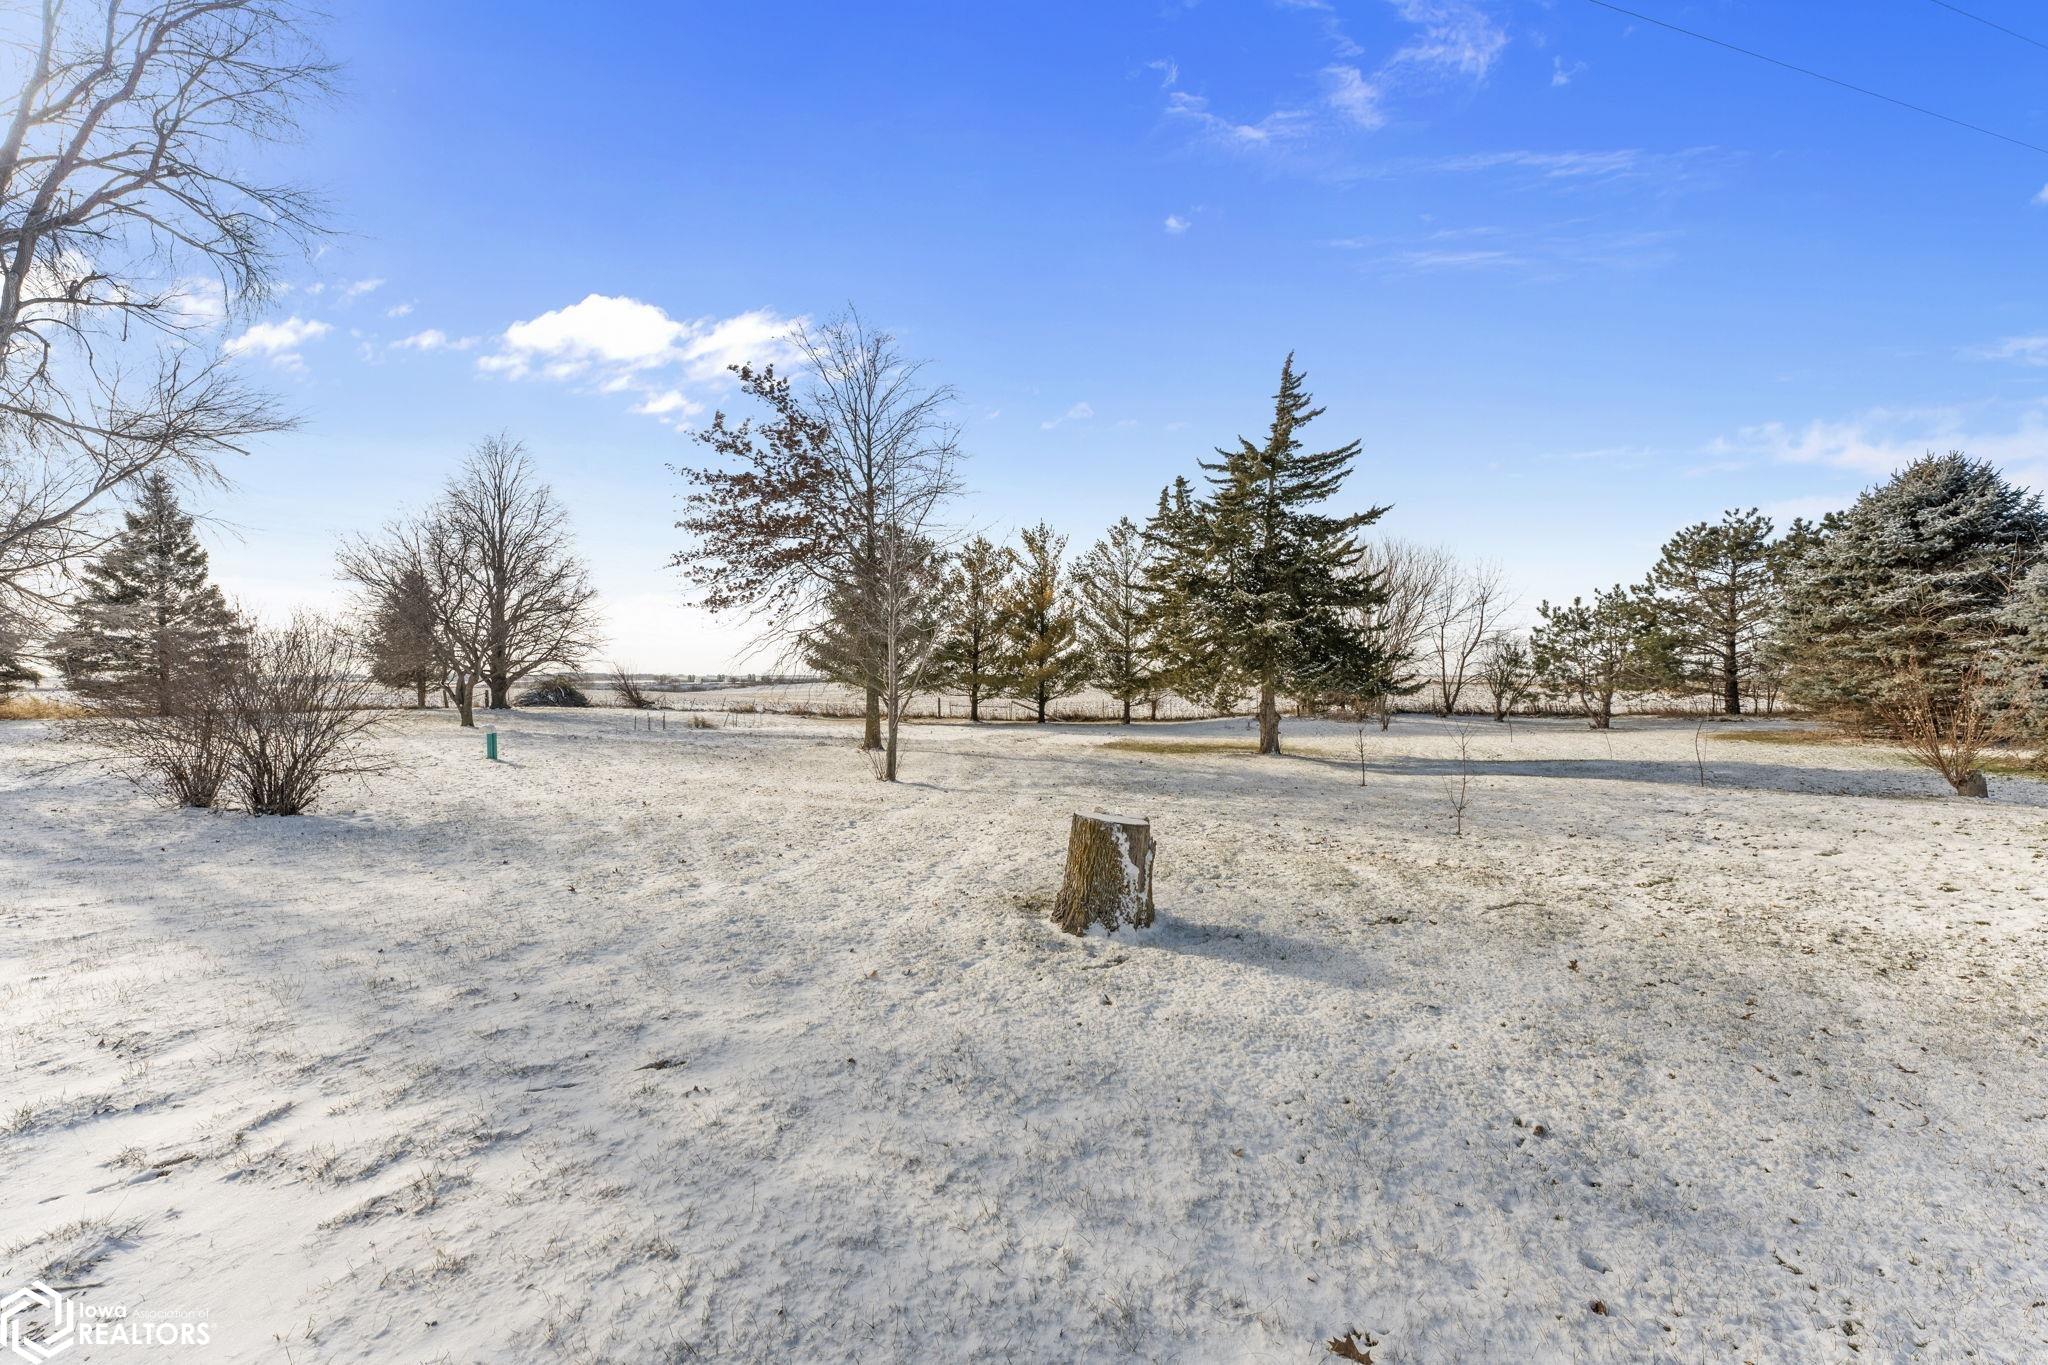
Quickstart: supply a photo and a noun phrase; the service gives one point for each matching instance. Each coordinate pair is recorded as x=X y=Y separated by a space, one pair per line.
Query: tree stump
x=1109 y=874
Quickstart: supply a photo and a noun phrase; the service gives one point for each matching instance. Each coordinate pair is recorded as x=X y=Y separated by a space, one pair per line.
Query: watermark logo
x=38 y=1324
x=58 y=1336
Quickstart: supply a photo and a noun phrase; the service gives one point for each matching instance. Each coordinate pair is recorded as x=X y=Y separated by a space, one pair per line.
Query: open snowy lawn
x=704 y=1045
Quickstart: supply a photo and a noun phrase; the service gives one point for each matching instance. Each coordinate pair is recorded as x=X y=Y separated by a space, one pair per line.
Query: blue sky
x=1573 y=279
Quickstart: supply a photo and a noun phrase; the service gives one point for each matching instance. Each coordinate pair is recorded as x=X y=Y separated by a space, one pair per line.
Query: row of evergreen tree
x=1248 y=589
x=1919 y=613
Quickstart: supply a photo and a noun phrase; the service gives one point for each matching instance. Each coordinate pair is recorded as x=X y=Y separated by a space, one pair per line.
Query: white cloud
x=1880 y=440
x=1080 y=412
x=1176 y=225
x=1279 y=126
x=398 y=310
x=1453 y=40
x=667 y=402
x=280 y=341
x=1560 y=74
x=362 y=287
x=1353 y=96
x=1169 y=72
x=618 y=344
x=198 y=301
x=1455 y=37
x=433 y=339
x=2041 y=195
x=2028 y=350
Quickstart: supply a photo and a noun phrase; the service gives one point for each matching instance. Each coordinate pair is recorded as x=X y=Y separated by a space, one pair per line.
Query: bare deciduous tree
x=824 y=524
x=128 y=230
x=510 y=538
x=1508 y=670
x=1461 y=615
x=429 y=551
x=1458 y=781
x=1409 y=578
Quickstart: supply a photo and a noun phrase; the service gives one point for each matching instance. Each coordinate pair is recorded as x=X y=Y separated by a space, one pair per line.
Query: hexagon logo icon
x=15 y=1309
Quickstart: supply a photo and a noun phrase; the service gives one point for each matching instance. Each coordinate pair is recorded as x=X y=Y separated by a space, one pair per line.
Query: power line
x=1958 y=9
x=1872 y=94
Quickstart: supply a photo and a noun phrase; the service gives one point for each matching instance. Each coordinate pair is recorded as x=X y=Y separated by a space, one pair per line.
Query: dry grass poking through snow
x=24 y=707
x=704 y=1045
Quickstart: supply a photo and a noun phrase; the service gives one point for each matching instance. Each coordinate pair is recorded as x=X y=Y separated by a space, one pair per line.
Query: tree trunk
x=1108 y=879
x=421 y=684
x=500 y=693
x=465 y=700
x=871 y=734
x=973 y=704
x=1127 y=710
x=1269 y=719
x=1041 y=703
x=1731 y=695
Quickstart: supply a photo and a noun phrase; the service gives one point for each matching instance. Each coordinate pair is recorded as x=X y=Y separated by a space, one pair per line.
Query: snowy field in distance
x=705 y=1045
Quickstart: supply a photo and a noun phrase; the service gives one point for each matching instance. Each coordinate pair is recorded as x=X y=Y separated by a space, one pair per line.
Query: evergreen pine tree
x=1714 y=591
x=1915 y=576
x=148 y=623
x=1183 y=660
x=15 y=673
x=403 y=648
x=1109 y=581
x=1047 y=657
x=2022 y=669
x=974 y=653
x=1589 y=653
x=1277 y=591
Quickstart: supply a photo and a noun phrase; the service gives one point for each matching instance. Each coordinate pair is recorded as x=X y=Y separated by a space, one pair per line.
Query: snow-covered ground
x=704 y=1045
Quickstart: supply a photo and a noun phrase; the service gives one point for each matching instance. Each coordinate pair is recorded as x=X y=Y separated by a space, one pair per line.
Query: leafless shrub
x=297 y=713
x=629 y=692
x=186 y=754
x=1458 y=781
x=1946 y=729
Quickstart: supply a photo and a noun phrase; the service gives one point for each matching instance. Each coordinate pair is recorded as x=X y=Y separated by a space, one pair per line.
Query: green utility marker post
x=491 y=745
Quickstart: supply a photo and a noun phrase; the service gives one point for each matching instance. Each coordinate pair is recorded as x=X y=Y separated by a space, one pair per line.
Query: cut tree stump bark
x=1109 y=874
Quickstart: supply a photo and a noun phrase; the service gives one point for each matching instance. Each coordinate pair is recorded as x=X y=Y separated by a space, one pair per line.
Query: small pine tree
x=974 y=655
x=148 y=623
x=1915 y=576
x=1183 y=659
x=1589 y=653
x=1714 y=590
x=15 y=673
x=403 y=647
x=1047 y=657
x=1109 y=581
x=1278 y=592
